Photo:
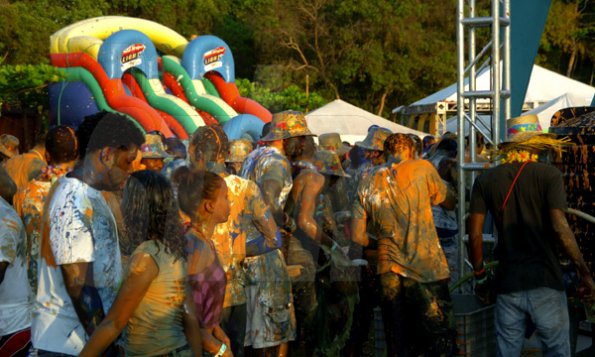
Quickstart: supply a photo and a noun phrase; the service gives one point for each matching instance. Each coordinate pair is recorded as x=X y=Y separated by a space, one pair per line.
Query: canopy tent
x=547 y=93
x=544 y=112
x=350 y=121
x=544 y=86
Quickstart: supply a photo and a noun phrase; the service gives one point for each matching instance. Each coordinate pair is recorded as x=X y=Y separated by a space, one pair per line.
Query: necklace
x=521 y=156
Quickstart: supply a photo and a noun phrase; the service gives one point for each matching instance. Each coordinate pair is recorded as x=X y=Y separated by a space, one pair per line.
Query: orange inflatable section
x=231 y=95
x=114 y=92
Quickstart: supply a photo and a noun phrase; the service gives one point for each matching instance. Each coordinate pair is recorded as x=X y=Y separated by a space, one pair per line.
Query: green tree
x=25 y=26
x=187 y=17
x=376 y=54
x=24 y=87
x=569 y=38
x=291 y=97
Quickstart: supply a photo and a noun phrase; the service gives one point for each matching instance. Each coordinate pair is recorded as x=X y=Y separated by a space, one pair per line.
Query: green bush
x=23 y=87
x=291 y=97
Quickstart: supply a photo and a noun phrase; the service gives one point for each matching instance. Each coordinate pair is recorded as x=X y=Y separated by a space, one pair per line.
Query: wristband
x=222 y=350
x=479 y=274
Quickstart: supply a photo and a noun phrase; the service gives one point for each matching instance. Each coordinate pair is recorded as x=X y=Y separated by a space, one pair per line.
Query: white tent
x=547 y=110
x=547 y=93
x=544 y=112
x=350 y=121
x=544 y=86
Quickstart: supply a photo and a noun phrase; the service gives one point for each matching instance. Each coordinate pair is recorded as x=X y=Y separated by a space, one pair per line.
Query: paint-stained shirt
x=82 y=229
x=267 y=163
x=397 y=200
x=357 y=176
x=25 y=167
x=229 y=238
x=156 y=327
x=29 y=204
x=15 y=294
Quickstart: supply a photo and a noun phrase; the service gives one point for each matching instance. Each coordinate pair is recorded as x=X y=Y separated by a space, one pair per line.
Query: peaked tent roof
x=544 y=85
x=544 y=112
x=350 y=121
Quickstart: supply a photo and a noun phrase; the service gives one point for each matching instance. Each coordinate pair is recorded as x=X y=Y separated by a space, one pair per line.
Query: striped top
x=208 y=283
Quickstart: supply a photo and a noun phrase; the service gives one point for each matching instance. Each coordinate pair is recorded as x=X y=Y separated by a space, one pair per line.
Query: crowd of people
x=118 y=242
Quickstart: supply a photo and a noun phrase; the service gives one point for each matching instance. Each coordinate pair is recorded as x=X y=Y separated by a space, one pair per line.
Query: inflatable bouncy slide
x=152 y=75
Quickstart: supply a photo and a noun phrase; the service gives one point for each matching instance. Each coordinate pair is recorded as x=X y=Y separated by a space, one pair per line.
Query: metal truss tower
x=496 y=55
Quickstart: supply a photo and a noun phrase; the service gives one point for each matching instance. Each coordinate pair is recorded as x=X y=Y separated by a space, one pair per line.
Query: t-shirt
x=267 y=163
x=229 y=238
x=31 y=209
x=81 y=229
x=526 y=239
x=15 y=294
x=397 y=201
x=25 y=167
x=156 y=326
x=29 y=204
x=357 y=176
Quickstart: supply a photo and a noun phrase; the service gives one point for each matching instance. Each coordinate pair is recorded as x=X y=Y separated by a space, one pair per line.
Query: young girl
x=153 y=302
x=202 y=196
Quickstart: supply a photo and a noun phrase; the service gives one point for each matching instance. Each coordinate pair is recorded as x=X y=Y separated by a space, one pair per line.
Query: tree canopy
x=377 y=54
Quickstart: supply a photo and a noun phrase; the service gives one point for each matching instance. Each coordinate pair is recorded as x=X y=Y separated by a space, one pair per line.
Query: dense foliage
x=377 y=54
x=23 y=87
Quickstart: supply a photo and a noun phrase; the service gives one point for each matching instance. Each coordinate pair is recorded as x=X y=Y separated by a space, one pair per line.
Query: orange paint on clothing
x=25 y=167
x=397 y=199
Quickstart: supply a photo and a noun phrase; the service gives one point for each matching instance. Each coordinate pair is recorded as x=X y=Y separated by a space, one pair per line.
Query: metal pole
x=496 y=71
x=472 y=87
x=461 y=128
x=506 y=61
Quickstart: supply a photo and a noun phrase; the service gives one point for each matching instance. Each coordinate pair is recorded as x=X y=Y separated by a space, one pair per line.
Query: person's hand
x=294 y=271
x=586 y=293
x=482 y=290
x=337 y=255
x=228 y=352
x=587 y=288
x=221 y=336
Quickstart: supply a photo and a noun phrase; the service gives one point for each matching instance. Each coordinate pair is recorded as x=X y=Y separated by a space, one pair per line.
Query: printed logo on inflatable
x=212 y=59
x=131 y=56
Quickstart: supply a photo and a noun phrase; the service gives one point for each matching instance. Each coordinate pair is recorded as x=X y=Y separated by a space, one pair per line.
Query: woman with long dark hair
x=153 y=302
x=202 y=196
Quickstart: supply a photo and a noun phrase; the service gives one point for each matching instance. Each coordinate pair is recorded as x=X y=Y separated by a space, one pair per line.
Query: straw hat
x=524 y=133
x=332 y=142
x=153 y=147
x=523 y=123
x=327 y=162
x=375 y=139
x=9 y=145
x=239 y=150
x=287 y=124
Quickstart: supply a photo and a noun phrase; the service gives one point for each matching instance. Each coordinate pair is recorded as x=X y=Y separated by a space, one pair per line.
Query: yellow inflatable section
x=88 y=35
